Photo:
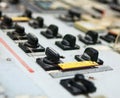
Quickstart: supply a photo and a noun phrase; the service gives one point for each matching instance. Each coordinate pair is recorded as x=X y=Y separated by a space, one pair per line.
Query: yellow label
x=86 y=26
x=75 y=65
x=18 y=19
x=115 y=31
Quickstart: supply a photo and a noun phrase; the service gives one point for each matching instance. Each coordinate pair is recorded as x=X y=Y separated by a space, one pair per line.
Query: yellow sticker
x=86 y=26
x=20 y=19
x=76 y=65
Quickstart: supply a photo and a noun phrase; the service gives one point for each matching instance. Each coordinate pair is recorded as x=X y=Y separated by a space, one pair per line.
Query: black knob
x=50 y=61
x=28 y=13
x=92 y=36
x=14 y=1
x=0 y=14
x=7 y=21
x=20 y=30
x=74 y=12
x=52 y=30
x=51 y=56
x=92 y=53
x=69 y=40
x=90 y=88
x=32 y=41
x=78 y=85
x=37 y=22
x=40 y=21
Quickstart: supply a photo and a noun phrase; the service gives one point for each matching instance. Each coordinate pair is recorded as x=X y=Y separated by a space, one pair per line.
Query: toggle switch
x=109 y=37
x=18 y=33
x=78 y=85
x=37 y=23
x=90 y=54
x=27 y=13
x=31 y=45
x=90 y=38
x=6 y=23
x=51 y=61
x=68 y=43
x=14 y=1
x=0 y=14
x=90 y=87
x=51 y=32
x=73 y=14
x=32 y=41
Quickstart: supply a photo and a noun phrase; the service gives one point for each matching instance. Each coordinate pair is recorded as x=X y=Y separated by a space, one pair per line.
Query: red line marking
x=16 y=56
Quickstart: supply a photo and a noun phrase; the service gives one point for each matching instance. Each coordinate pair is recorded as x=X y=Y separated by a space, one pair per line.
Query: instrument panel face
x=39 y=52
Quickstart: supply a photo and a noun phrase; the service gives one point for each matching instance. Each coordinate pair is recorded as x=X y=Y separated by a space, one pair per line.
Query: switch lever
x=31 y=45
x=51 y=32
x=51 y=61
x=78 y=85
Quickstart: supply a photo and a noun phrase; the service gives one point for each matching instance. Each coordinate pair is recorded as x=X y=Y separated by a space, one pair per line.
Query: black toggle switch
x=51 y=32
x=32 y=41
x=31 y=45
x=109 y=37
x=27 y=13
x=14 y=1
x=51 y=61
x=90 y=54
x=37 y=23
x=0 y=14
x=78 y=85
x=7 y=23
x=18 y=34
x=90 y=38
x=68 y=43
x=88 y=84
x=20 y=30
x=73 y=14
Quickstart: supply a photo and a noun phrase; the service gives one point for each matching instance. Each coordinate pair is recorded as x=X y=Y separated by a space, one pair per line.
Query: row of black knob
x=68 y=43
x=91 y=37
x=52 y=31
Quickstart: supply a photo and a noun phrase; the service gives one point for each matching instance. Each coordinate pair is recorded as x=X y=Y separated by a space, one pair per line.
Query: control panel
x=70 y=54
